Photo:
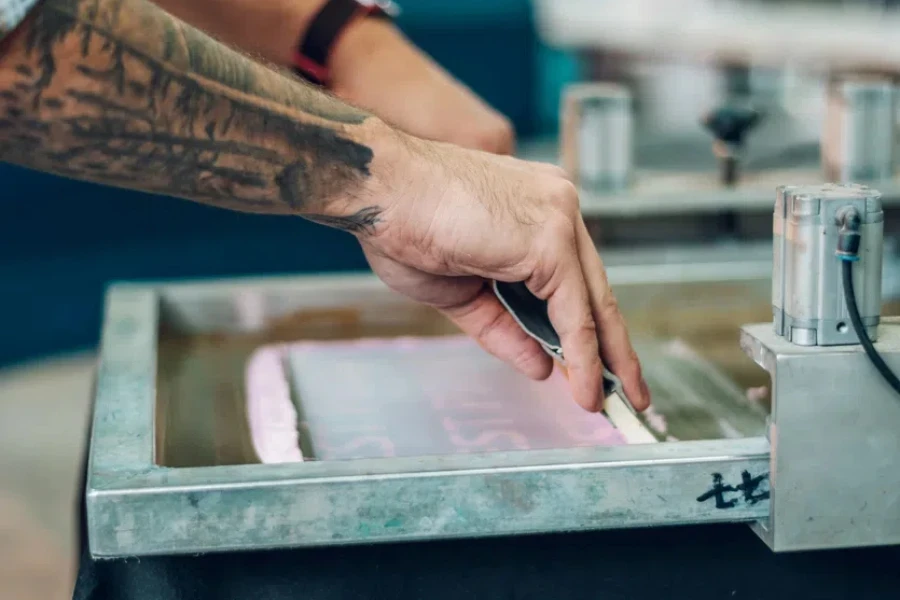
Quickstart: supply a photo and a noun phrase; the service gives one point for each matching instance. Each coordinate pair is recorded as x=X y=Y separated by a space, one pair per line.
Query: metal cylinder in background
x=807 y=289
x=597 y=136
x=858 y=134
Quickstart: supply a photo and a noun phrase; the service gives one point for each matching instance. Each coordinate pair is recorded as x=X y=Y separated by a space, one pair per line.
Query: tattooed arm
x=122 y=93
x=372 y=65
x=269 y=29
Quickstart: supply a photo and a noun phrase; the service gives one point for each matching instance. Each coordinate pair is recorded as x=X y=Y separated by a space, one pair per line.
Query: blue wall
x=63 y=241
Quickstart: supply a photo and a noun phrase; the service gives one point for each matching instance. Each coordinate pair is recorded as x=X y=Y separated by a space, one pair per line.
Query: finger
x=486 y=320
x=569 y=309
x=613 y=339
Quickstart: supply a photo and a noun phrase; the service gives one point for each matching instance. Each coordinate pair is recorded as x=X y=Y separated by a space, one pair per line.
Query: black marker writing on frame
x=749 y=490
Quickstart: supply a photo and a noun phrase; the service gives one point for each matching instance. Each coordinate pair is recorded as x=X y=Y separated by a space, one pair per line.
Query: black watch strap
x=313 y=49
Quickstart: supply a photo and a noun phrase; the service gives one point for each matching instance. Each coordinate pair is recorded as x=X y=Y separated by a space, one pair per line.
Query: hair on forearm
x=122 y=93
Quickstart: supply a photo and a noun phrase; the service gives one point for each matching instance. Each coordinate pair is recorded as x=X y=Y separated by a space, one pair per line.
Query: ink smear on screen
x=398 y=397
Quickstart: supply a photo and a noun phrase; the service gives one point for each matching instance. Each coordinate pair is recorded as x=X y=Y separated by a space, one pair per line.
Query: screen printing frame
x=135 y=507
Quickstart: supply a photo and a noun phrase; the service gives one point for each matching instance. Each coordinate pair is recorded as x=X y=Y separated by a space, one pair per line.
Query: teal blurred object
x=489 y=46
x=63 y=241
x=555 y=69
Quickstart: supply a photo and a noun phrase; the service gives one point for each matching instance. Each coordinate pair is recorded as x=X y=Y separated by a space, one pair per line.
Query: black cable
x=859 y=328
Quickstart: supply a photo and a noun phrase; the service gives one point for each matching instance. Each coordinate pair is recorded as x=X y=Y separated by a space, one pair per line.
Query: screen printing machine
x=286 y=427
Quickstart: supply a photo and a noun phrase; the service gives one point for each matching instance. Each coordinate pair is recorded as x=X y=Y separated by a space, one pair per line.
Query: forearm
x=269 y=29
x=371 y=64
x=122 y=93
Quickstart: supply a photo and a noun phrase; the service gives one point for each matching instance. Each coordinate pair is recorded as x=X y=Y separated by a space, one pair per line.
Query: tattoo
x=119 y=92
x=362 y=221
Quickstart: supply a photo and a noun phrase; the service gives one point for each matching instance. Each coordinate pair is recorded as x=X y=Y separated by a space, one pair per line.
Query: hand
x=459 y=218
x=375 y=68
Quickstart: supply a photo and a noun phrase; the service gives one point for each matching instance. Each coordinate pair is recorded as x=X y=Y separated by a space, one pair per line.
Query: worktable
x=698 y=563
x=195 y=547
x=716 y=561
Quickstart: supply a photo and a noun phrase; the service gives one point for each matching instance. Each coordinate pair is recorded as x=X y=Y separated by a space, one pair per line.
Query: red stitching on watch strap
x=323 y=34
x=309 y=68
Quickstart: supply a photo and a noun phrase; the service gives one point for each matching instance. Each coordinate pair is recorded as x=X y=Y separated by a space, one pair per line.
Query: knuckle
x=584 y=333
x=543 y=275
x=609 y=304
x=608 y=309
x=487 y=329
x=587 y=330
x=565 y=196
x=532 y=361
x=631 y=371
x=560 y=228
x=552 y=252
x=555 y=247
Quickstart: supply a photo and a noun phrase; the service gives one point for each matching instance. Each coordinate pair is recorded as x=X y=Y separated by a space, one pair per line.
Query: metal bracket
x=834 y=443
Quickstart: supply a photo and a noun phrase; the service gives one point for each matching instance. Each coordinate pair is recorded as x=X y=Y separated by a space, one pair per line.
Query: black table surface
x=697 y=562
x=692 y=562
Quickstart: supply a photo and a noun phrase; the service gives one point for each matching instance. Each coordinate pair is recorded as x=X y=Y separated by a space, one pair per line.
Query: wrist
x=386 y=176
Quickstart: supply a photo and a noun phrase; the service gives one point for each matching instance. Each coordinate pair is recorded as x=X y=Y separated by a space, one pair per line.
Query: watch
x=314 y=47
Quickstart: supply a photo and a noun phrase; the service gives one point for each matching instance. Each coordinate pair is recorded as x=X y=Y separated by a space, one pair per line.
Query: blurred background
x=683 y=62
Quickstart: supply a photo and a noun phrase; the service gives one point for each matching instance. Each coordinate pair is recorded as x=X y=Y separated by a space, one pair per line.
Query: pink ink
x=485 y=440
x=408 y=397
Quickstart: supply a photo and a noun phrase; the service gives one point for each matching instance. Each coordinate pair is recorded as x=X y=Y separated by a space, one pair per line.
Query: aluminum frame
x=136 y=507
